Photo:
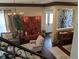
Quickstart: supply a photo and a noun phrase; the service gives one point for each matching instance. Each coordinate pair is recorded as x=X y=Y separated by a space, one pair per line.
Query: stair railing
x=21 y=48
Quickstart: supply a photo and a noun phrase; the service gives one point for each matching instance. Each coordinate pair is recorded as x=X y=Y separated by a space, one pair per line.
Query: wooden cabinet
x=65 y=37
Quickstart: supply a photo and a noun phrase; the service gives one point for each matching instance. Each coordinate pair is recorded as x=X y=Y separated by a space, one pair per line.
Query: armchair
x=35 y=45
x=38 y=43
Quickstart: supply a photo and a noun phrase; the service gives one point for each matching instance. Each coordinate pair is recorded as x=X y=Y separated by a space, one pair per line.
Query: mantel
x=65 y=29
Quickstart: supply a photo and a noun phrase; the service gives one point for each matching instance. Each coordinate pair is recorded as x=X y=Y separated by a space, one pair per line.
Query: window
x=65 y=18
x=46 y=18
x=49 y=18
x=2 y=22
x=49 y=21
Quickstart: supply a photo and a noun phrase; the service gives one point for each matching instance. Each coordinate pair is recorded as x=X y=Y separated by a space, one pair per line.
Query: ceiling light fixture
x=15 y=11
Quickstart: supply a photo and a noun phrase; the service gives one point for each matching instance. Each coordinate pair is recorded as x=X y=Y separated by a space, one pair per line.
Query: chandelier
x=11 y=12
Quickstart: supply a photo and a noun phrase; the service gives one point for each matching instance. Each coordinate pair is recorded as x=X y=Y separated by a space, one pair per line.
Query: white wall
x=33 y=11
x=74 y=50
x=30 y=11
x=55 y=10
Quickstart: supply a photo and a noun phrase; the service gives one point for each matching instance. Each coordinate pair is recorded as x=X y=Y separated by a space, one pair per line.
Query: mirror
x=65 y=18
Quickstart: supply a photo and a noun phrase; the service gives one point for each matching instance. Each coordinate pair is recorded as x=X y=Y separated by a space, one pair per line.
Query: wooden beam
x=39 y=5
x=20 y=5
x=61 y=4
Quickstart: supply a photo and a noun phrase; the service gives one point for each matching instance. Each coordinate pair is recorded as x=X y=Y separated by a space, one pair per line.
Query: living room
x=28 y=23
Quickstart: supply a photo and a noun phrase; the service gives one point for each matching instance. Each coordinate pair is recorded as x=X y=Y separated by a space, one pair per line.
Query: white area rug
x=58 y=53
x=68 y=47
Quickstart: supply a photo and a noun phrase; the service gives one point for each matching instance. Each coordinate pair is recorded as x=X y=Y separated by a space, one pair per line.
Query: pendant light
x=15 y=11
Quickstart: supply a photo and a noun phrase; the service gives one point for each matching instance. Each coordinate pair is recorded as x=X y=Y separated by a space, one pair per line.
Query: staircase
x=18 y=52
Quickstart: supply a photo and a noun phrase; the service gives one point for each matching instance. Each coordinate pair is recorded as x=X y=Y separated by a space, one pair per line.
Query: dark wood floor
x=64 y=50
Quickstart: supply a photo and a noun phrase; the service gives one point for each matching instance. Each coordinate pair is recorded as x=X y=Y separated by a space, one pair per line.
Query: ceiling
x=35 y=1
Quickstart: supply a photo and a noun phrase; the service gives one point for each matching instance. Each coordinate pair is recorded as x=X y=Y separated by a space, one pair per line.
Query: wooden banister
x=21 y=47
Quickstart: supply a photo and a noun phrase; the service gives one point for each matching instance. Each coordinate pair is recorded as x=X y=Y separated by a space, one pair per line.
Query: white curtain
x=9 y=22
x=2 y=22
